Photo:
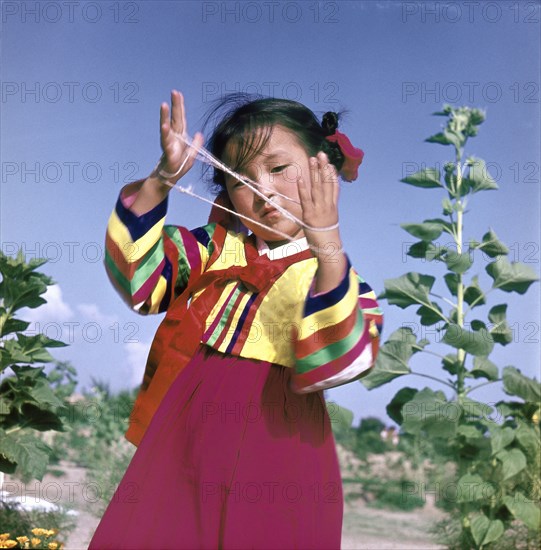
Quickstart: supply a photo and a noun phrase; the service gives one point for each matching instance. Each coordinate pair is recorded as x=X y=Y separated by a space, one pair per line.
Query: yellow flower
x=8 y=543
x=50 y=532
x=4 y=536
x=35 y=542
x=38 y=531
x=22 y=540
x=52 y=546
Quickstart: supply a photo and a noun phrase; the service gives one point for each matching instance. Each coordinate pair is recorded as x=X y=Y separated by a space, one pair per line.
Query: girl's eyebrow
x=277 y=153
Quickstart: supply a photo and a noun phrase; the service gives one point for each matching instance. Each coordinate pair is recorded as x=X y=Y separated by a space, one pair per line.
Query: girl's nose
x=266 y=188
x=266 y=193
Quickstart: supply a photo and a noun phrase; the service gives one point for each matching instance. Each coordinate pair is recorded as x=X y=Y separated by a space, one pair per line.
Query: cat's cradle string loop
x=205 y=156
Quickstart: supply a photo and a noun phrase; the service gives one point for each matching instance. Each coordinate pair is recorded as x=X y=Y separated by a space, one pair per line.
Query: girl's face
x=277 y=168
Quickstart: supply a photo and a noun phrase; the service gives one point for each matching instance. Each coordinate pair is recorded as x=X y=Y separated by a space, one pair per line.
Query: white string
x=209 y=158
x=188 y=191
x=205 y=156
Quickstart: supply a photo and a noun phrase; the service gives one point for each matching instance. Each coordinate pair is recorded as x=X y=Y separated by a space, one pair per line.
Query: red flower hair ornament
x=353 y=156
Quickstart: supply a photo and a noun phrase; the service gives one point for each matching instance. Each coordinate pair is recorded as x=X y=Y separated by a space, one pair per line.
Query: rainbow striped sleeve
x=148 y=262
x=338 y=337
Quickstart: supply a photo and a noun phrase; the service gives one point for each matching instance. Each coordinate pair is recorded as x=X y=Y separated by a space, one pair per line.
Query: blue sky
x=81 y=87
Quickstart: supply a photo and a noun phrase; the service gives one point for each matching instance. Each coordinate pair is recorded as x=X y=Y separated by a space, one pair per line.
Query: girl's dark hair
x=236 y=117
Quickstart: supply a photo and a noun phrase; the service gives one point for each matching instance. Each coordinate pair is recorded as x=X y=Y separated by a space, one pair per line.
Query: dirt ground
x=364 y=528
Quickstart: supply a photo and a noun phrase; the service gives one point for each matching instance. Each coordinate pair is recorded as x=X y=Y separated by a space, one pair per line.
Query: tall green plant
x=497 y=463
x=28 y=402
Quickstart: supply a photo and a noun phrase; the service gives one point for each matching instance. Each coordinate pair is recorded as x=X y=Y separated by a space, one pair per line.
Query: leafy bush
x=28 y=402
x=496 y=465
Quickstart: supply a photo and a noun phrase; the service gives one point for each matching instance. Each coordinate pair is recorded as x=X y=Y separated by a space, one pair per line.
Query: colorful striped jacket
x=227 y=291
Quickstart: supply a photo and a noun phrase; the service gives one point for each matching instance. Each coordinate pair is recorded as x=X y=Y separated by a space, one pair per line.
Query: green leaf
x=41 y=356
x=426 y=231
x=426 y=251
x=427 y=178
x=41 y=419
x=482 y=367
x=501 y=437
x=44 y=395
x=477 y=342
x=458 y=263
x=452 y=280
x=501 y=332
x=451 y=363
x=474 y=293
x=510 y=409
x=513 y=461
x=7 y=326
x=392 y=361
x=479 y=178
x=28 y=372
x=446 y=138
x=515 y=383
x=469 y=431
x=472 y=487
x=5 y=406
x=485 y=531
x=12 y=354
x=394 y=408
x=430 y=412
x=492 y=246
x=514 y=277
x=429 y=315
x=29 y=453
x=447 y=206
x=444 y=112
x=523 y=509
x=404 y=334
x=409 y=289
x=529 y=440
x=475 y=410
x=30 y=343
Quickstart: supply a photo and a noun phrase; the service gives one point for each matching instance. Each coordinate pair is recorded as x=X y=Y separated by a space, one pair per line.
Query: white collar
x=282 y=251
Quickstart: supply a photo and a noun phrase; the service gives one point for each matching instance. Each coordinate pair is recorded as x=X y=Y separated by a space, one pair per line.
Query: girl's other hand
x=319 y=194
x=172 y=125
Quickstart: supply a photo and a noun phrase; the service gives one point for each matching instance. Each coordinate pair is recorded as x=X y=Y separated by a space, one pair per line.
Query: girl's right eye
x=278 y=169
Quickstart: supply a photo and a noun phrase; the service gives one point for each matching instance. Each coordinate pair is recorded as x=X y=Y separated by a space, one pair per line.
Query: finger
x=314 y=177
x=164 y=124
x=336 y=186
x=304 y=193
x=320 y=185
x=176 y=112
x=198 y=141
x=330 y=177
x=184 y=128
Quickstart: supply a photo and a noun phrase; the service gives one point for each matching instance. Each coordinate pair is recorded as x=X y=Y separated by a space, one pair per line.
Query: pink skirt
x=232 y=460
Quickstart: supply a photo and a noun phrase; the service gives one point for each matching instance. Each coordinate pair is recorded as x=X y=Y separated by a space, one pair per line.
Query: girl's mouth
x=271 y=213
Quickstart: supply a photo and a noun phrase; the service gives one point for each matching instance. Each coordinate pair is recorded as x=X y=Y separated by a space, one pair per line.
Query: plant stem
x=14 y=429
x=450 y=302
x=469 y=390
x=433 y=378
x=461 y=354
x=460 y=287
x=419 y=348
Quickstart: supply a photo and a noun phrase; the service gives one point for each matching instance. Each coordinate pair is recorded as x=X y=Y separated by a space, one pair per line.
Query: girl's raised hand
x=319 y=194
x=319 y=201
x=172 y=125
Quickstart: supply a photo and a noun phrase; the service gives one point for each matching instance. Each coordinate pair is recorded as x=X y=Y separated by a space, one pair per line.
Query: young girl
x=235 y=448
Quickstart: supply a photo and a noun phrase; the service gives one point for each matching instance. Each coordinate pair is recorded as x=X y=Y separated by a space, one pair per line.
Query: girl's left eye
x=280 y=168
